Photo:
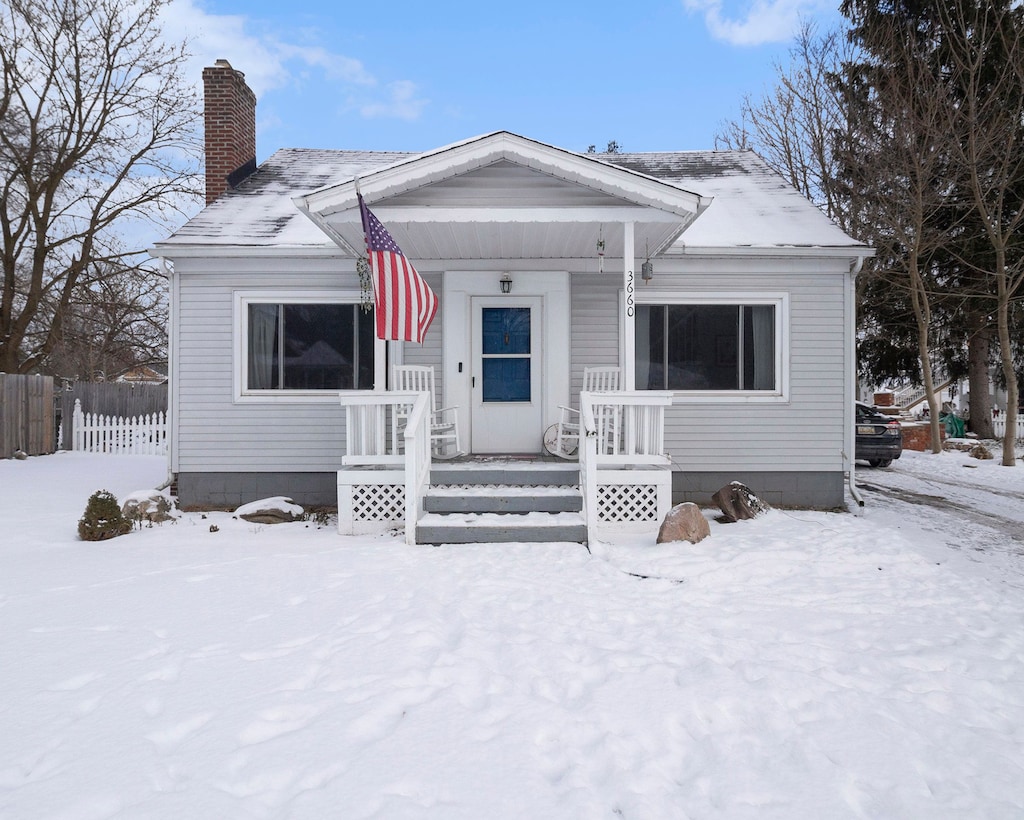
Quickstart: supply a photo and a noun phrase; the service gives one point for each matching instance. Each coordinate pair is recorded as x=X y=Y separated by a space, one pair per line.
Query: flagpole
x=380 y=372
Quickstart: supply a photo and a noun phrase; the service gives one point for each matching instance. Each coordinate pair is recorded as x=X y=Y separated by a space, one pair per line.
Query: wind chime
x=600 y=249
x=647 y=269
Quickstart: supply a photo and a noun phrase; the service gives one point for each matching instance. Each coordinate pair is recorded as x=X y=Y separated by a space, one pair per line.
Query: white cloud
x=271 y=62
x=402 y=104
x=757 y=22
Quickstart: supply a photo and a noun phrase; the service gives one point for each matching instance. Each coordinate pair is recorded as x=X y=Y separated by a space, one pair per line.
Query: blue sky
x=404 y=75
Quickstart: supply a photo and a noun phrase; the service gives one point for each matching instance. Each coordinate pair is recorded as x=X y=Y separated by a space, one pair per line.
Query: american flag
x=405 y=304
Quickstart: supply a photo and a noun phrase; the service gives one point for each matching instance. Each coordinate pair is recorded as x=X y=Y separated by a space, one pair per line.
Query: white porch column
x=629 y=308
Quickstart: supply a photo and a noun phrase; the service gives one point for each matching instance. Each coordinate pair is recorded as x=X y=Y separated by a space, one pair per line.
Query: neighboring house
x=155 y=373
x=749 y=316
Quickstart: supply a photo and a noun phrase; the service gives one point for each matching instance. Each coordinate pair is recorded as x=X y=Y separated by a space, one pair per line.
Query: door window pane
x=506 y=331
x=506 y=379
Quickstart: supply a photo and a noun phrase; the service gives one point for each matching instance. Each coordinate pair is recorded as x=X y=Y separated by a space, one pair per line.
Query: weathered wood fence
x=119 y=400
x=26 y=415
x=121 y=435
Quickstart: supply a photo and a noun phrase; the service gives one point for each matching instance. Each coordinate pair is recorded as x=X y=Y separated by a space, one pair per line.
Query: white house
x=747 y=321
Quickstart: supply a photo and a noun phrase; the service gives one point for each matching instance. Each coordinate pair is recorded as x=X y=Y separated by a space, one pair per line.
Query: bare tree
x=985 y=57
x=117 y=324
x=793 y=126
x=97 y=125
x=896 y=163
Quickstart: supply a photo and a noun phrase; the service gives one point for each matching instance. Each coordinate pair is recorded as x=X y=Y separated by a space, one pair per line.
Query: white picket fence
x=136 y=436
x=999 y=427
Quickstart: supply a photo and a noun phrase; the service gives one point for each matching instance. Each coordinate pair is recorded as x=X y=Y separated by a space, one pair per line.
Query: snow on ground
x=802 y=665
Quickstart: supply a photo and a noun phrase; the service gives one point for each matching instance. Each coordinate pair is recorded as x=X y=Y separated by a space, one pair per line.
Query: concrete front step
x=502 y=501
x=491 y=528
x=523 y=474
x=502 y=498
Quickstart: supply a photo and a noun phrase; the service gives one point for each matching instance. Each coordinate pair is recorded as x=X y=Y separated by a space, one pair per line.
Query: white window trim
x=242 y=299
x=781 y=302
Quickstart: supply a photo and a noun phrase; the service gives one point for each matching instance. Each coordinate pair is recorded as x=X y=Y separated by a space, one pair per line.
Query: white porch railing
x=387 y=467
x=625 y=474
x=135 y=436
x=999 y=427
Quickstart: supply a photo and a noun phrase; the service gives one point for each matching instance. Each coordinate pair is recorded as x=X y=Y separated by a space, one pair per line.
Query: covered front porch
x=506 y=229
x=390 y=478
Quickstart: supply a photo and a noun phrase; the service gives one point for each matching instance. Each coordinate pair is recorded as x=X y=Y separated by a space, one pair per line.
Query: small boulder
x=148 y=505
x=276 y=510
x=684 y=522
x=738 y=502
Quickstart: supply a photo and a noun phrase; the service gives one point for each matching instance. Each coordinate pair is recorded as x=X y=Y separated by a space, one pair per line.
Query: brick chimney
x=230 y=121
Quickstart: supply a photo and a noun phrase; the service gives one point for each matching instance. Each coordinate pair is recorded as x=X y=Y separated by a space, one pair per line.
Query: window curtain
x=763 y=322
x=262 y=343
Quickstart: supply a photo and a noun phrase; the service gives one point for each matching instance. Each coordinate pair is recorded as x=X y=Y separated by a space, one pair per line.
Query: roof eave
x=832 y=251
x=184 y=250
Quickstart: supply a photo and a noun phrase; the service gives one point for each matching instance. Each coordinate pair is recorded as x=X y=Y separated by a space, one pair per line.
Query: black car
x=879 y=438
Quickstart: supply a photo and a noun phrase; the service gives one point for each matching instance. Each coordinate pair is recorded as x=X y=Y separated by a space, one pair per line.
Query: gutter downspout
x=851 y=441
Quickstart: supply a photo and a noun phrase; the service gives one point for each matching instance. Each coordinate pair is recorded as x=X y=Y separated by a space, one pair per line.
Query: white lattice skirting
x=633 y=499
x=370 y=501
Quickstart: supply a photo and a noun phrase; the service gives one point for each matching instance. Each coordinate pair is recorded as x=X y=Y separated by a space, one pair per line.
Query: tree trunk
x=922 y=316
x=979 y=347
x=1006 y=359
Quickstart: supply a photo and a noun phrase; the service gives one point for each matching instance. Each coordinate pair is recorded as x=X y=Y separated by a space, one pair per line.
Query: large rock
x=276 y=510
x=684 y=522
x=148 y=505
x=738 y=502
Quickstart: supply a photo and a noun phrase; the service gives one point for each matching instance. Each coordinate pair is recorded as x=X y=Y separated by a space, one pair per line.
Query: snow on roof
x=752 y=206
x=260 y=211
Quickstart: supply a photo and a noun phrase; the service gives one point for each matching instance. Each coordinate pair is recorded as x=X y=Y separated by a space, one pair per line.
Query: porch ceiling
x=508 y=235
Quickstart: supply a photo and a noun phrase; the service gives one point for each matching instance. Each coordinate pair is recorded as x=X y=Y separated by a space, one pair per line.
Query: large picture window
x=308 y=346
x=707 y=347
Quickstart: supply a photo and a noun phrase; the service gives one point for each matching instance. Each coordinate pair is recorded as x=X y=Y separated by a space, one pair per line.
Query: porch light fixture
x=506 y=283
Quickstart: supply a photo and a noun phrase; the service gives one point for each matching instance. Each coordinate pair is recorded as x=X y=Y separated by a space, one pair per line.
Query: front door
x=507 y=369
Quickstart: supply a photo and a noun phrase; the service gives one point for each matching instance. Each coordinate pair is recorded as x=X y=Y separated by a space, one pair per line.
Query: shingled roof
x=752 y=207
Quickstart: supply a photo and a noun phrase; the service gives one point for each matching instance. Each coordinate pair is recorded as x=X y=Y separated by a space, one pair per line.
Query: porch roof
x=506 y=196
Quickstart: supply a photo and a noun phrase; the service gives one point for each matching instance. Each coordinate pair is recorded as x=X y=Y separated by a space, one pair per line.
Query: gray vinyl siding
x=802 y=434
x=595 y=325
x=215 y=433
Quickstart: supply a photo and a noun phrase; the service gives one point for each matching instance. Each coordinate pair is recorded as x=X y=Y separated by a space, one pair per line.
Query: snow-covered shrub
x=102 y=518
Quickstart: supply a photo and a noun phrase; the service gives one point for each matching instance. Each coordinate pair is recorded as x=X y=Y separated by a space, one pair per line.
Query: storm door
x=507 y=375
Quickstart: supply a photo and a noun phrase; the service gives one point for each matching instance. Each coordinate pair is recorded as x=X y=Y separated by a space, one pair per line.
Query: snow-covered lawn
x=803 y=665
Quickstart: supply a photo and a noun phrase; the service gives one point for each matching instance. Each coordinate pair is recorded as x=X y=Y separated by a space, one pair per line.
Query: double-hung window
x=710 y=346
x=304 y=345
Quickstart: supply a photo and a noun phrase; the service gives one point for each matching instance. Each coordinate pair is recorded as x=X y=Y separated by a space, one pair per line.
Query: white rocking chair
x=562 y=439
x=444 y=422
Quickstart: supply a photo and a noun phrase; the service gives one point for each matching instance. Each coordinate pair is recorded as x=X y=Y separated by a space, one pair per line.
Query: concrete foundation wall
x=816 y=491
x=230 y=490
